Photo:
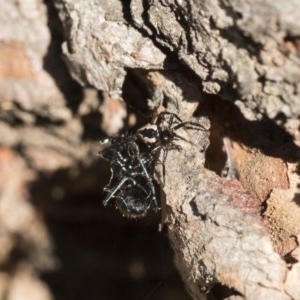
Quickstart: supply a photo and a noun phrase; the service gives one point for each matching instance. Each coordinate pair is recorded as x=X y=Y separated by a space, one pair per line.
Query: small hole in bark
x=220 y=291
x=135 y=92
x=196 y=211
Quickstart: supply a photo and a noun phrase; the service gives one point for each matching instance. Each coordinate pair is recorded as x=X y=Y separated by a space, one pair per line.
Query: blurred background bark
x=72 y=72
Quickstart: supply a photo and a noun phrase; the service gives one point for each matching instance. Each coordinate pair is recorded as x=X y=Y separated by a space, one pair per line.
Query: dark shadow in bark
x=297 y=196
x=54 y=63
x=265 y=135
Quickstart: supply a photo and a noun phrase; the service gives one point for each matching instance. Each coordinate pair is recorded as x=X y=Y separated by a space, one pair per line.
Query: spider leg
x=163 y=164
x=110 y=179
x=116 y=189
x=163 y=122
x=118 y=171
x=103 y=154
x=171 y=119
x=150 y=184
x=177 y=118
x=186 y=126
x=173 y=115
x=149 y=181
x=179 y=137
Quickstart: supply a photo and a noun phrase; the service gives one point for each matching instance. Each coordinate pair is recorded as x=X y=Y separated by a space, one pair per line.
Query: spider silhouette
x=132 y=158
x=131 y=184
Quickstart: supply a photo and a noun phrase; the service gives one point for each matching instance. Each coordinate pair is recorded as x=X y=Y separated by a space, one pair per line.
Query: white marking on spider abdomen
x=149 y=134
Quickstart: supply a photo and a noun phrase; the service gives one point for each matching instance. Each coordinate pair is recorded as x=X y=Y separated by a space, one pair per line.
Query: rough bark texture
x=231 y=65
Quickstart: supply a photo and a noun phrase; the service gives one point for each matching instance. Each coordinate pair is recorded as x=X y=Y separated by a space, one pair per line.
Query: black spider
x=131 y=183
x=162 y=135
x=132 y=158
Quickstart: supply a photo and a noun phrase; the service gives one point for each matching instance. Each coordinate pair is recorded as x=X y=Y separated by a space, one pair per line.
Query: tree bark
x=231 y=65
